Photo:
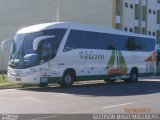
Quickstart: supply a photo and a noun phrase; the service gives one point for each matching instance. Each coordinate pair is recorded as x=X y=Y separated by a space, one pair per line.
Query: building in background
x=139 y=16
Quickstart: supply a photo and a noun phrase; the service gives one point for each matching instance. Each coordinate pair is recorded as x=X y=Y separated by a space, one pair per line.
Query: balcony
x=143 y=24
x=118 y=19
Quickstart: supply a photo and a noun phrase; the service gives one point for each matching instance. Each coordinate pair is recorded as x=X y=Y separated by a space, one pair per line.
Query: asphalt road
x=84 y=98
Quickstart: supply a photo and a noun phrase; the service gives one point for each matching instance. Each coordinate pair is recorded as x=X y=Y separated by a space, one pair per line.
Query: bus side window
x=110 y=42
x=46 y=50
x=131 y=44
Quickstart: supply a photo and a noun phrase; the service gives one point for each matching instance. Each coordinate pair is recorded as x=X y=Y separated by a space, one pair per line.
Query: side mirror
x=39 y=39
x=3 y=45
x=5 y=42
x=30 y=58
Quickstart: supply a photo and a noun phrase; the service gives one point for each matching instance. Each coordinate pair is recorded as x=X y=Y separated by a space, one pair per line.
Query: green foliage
x=5 y=78
x=5 y=82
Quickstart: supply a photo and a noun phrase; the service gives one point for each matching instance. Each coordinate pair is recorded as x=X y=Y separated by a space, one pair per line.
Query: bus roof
x=44 y=26
x=77 y=26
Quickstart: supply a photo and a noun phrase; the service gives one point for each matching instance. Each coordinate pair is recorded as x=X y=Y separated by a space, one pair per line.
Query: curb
x=152 y=77
x=10 y=87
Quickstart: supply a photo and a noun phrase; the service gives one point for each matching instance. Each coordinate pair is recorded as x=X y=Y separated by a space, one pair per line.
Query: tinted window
x=58 y=33
x=93 y=40
x=150 y=44
x=29 y=38
x=110 y=42
x=129 y=43
x=90 y=40
x=28 y=42
x=47 y=50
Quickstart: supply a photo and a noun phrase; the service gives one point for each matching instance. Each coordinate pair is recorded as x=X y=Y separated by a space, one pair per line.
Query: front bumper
x=24 y=80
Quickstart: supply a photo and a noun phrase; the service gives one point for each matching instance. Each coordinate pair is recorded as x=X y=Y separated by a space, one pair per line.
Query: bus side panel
x=138 y=60
x=88 y=64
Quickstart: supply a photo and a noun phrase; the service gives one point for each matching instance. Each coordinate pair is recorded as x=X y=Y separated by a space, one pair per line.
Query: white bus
x=67 y=52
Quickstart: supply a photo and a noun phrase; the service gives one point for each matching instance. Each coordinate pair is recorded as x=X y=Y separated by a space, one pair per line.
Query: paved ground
x=88 y=98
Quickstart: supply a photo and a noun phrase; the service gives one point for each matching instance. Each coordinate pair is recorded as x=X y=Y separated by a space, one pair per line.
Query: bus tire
x=68 y=78
x=133 y=77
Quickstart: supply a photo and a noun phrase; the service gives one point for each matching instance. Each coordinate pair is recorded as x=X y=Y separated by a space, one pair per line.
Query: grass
x=5 y=83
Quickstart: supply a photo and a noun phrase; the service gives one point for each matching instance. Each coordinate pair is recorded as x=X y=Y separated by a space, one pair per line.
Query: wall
x=16 y=14
x=97 y=12
x=151 y=18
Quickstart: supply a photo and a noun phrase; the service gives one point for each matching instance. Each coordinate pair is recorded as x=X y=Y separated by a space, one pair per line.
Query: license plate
x=18 y=79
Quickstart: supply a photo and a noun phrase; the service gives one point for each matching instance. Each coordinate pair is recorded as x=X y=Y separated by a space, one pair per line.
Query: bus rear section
x=103 y=54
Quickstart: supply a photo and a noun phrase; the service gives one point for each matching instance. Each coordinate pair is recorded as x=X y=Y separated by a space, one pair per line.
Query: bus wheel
x=68 y=78
x=133 y=77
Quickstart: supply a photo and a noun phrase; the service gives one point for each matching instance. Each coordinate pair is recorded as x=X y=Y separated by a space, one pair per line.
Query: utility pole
x=57 y=10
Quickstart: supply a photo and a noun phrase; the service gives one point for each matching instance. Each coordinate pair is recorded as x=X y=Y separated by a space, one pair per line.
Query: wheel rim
x=68 y=79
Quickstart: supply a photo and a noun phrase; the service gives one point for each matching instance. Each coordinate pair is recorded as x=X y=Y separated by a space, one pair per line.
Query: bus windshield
x=22 y=54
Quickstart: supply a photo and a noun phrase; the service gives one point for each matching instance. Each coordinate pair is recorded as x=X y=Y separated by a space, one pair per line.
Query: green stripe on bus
x=111 y=60
x=122 y=61
x=90 y=77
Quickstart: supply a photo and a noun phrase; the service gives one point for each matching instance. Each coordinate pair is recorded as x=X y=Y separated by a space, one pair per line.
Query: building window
x=150 y=11
x=136 y=29
x=136 y=11
x=144 y=31
x=158 y=36
x=126 y=5
x=131 y=30
x=126 y=29
x=144 y=13
x=149 y=32
x=154 y=33
x=158 y=17
x=131 y=6
x=154 y=12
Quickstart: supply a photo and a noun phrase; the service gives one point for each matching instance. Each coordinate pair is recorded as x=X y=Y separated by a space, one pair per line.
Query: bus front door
x=46 y=57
